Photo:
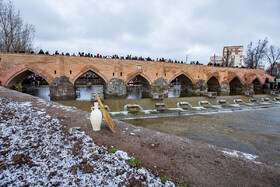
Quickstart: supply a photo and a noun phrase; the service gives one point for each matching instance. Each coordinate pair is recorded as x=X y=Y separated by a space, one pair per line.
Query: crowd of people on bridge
x=223 y=65
x=128 y=57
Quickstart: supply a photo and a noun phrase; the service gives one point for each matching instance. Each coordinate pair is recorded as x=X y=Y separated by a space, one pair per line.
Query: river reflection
x=85 y=94
x=42 y=92
x=174 y=91
x=134 y=92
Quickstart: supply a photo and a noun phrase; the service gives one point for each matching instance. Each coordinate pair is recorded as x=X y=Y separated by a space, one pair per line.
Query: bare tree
x=254 y=55
x=227 y=58
x=14 y=35
x=273 y=57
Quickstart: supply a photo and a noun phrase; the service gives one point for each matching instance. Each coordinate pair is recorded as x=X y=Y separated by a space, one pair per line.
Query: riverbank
x=185 y=161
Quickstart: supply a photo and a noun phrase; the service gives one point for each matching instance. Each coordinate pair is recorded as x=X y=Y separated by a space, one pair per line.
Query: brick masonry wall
x=52 y=66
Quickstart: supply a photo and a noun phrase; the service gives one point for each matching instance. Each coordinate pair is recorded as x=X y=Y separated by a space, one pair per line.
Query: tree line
x=14 y=34
x=262 y=53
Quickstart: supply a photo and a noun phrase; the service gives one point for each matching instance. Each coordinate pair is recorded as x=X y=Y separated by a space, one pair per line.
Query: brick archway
x=257 y=86
x=235 y=87
x=21 y=70
x=179 y=74
x=242 y=83
x=86 y=69
x=213 y=84
x=137 y=74
x=215 y=78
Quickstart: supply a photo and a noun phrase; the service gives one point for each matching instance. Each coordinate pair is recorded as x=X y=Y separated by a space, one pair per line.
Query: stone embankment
x=82 y=156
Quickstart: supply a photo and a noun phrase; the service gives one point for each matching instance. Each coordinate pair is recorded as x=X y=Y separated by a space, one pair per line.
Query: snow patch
x=27 y=104
x=37 y=150
x=246 y=156
x=40 y=112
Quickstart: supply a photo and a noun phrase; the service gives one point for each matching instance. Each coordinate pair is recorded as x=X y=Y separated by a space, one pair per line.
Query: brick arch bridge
x=61 y=72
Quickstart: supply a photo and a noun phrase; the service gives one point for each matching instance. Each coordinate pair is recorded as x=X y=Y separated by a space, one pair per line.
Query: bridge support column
x=159 y=89
x=186 y=90
x=62 y=89
x=248 y=87
x=199 y=88
x=115 y=88
x=225 y=89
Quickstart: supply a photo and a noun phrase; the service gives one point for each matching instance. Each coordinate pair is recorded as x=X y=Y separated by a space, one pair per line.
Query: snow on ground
x=246 y=156
x=36 y=150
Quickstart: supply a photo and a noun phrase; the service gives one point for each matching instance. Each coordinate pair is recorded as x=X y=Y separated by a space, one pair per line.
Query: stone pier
x=62 y=89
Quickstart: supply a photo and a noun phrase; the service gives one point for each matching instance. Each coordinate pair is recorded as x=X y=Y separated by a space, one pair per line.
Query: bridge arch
x=213 y=84
x=180 y=85
x=236 y=86
x=257 y=85
x=22 y=73
x=237 y=78
x=87 y=83
x=87 y=69
x=181 y=74
x=138 y=86
x=138 y=74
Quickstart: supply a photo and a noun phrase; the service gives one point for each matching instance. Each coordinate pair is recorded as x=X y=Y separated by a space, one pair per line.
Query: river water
x=251 y=129
x=254 y=131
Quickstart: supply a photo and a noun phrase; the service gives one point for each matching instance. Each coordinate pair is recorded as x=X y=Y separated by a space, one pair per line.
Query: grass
x=134 y=162
x=111 y=151
x=181 y=185
x=67 y=128
x=164 y=178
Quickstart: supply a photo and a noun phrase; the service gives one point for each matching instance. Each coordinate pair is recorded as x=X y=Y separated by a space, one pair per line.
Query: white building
x=217 y=60
x=233 y=55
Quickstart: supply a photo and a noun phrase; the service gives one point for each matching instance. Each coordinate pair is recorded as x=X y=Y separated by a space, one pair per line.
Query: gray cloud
x=155 y=28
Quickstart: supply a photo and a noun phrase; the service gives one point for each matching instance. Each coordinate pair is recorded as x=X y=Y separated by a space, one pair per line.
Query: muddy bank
x=186 y=161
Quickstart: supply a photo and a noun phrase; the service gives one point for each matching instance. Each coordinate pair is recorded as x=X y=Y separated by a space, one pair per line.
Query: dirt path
x=185 y=161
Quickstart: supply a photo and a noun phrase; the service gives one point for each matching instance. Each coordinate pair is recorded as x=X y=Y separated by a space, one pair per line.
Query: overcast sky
x=154 y=28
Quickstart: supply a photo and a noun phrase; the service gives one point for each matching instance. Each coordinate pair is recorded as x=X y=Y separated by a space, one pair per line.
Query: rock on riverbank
x=36 y=150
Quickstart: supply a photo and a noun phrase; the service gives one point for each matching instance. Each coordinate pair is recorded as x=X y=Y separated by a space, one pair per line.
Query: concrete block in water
x=184 y=105
x=222 y=102
x=253 y=100
x=266 y=100
x=277 y=98
x=160 y=106
x=204 y=104
x=132 y=108
x=239 y=101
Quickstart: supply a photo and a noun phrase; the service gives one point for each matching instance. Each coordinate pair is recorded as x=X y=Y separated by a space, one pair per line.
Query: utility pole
x=214 y=58
x=187 y=56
